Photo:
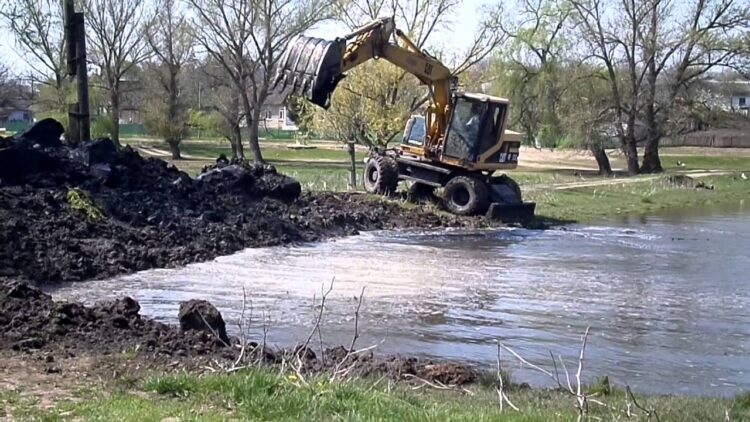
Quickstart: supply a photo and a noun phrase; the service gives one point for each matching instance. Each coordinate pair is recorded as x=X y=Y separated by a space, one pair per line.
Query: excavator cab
x=475 y=127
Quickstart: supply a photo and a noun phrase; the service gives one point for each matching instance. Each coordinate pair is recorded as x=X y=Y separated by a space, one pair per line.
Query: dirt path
x=156 y=152
x=694 y=174
x=160 y=153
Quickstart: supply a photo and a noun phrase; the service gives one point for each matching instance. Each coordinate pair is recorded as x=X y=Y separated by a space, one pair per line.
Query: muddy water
x=667 y=297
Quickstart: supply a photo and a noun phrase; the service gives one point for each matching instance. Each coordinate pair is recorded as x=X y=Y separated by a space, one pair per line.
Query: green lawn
x=696 y=162
x=268 y=396
x=592 y=203
x=273 y=153
x=321 y=177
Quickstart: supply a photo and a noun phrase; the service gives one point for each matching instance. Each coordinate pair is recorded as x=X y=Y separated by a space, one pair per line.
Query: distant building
x=275 y=114
x=741 y=99
x=16 y=106
x=132 y=101
x=727 y=95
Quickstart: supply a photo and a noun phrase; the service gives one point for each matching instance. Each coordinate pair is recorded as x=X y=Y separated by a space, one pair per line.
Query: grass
x=697 y=162
x=260 y=395
x=210 y=150
x=591 y=203
x=321 y=177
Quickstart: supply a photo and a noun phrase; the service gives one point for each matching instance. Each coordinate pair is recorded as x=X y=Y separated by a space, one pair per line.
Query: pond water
x=667 y=297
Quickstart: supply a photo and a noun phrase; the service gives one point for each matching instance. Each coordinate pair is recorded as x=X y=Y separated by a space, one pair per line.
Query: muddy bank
x=72 y=214
x=32 y=323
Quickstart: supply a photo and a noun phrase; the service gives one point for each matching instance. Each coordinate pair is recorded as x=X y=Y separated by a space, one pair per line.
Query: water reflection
x=666 y=296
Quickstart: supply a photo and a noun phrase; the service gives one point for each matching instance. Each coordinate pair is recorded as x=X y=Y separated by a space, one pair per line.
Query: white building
x=729 y=95
x=275 y=115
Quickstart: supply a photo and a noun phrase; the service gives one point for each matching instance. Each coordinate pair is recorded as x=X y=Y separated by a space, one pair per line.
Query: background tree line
x=577 y=72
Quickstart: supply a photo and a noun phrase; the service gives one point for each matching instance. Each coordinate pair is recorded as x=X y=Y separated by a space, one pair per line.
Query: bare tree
x=224 y=101
x=248 y=38
x=4 y=74
x=172 y=46
x=679 y=49
x=4 y=82
x=654 y=50
x=611 y=32
x=38 y=30
x=117 y=44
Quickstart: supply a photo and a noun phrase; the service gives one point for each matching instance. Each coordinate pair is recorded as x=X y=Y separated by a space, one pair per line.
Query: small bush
x=80 y=201
x=172 y=386
x=488 y=379
x=102 y=126
x=743 y=401
x=601 y=387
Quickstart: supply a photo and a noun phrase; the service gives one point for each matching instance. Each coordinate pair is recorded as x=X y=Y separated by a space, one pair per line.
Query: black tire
x=512 y=184
x=419 y=192
x=465 y=195
x=381 y=175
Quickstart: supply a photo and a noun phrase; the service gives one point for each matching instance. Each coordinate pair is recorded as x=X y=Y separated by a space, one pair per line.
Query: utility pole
x=79 y=119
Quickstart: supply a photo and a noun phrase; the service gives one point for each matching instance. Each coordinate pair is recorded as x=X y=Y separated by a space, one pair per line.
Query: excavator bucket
x=311 y=67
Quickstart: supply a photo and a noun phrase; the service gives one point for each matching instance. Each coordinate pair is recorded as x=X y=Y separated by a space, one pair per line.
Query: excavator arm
x=313 y=67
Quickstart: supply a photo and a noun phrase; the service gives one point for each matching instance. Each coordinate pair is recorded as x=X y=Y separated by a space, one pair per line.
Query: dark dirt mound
x=71 y=214
x=31 y=322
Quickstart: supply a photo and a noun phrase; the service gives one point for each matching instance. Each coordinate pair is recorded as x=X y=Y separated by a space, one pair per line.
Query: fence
x=711 y=139
x=15 y=127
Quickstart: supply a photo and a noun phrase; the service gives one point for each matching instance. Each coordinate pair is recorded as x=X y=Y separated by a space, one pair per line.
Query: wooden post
x=84 y=122
x=70 y=45
x=353 y=166
x=79 y=123
x=74 y=130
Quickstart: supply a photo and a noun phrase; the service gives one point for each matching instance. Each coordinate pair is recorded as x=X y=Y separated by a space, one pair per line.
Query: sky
x=459 y=34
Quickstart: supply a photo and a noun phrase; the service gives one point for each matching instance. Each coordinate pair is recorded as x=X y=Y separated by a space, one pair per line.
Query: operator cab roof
x=483 y=97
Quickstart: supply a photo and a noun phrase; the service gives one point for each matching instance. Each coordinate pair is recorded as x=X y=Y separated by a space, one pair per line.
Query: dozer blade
x=512 y=213
x=312 y=68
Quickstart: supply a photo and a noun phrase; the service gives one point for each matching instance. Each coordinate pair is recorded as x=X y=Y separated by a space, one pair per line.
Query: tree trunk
x=115 y=116
x=233 y=145
x=238 y=141
x=175 y=112
x=252 y=118
x=651 y=160
x=630 y=146
x=174 y=148
x=631 y=153
x=605 y=168
x=352 y=166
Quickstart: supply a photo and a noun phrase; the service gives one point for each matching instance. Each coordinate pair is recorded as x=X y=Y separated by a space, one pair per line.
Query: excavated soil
x=93 y=211
x=155 y=216
x=32 y=323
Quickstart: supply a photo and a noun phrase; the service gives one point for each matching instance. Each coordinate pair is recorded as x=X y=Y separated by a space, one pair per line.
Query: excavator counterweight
x=456 y=145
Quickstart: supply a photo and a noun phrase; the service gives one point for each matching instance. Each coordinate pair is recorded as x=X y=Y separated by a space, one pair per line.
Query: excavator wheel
x=465 y=195
x=381 y=175
x=419 y=192
x=511 y=184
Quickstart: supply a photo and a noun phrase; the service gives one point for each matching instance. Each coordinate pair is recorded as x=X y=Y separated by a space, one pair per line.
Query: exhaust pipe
x=312 y=68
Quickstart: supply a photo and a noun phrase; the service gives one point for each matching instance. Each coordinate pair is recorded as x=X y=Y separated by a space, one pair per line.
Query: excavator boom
x=313 y=67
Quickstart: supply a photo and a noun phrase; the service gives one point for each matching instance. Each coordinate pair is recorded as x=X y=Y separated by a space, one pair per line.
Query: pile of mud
x=93 y=211
x=31 y=322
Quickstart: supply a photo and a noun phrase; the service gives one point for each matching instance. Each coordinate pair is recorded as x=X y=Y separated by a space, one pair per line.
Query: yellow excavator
x=457 y=145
